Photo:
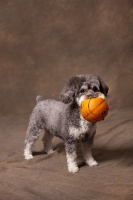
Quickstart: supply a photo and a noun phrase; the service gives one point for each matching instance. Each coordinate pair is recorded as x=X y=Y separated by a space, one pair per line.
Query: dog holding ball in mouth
x=64 y=119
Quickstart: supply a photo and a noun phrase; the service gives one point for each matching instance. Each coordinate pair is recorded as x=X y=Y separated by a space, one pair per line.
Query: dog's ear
x=70 y=90
x=67 y=96
x=103 y=87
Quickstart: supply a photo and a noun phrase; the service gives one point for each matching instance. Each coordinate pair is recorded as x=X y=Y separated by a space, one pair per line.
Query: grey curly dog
x=63 y=119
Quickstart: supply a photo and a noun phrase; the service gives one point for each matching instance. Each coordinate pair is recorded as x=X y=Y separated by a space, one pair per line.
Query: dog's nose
x=91 y=95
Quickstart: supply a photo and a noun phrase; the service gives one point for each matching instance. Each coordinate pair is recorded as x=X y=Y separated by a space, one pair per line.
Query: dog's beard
x=80 y=99
x=83 y=97
x=100 y=95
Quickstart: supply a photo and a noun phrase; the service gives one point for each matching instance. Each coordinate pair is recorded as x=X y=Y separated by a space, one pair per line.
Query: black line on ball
x=94 y=108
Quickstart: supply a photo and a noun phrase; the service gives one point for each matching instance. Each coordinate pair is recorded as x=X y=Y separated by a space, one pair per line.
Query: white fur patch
x=101 y=96
x=27 y=151
x=91 y=162
x=80 y=99
x=71 y=162
x=84 y=127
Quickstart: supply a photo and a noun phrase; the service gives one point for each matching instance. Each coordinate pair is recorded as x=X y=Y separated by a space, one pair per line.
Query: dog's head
x=80 y=87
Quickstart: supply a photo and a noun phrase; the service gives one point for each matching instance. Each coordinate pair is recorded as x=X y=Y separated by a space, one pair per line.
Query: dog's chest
x=85 y=130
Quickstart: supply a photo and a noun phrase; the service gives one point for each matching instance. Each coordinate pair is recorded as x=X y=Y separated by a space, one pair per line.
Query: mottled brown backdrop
x=42 y=44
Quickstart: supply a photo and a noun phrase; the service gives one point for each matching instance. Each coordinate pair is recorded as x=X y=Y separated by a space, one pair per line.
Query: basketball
x=94 y=109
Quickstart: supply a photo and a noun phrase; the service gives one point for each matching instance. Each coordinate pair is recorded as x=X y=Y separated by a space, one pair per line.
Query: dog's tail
x=39 y=98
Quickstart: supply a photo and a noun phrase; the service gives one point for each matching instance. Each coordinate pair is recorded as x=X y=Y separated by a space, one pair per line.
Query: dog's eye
x=82 y=90
x=95 y=89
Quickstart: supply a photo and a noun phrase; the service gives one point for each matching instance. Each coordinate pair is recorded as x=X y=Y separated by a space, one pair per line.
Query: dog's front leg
x=71 y=157
x=86 y=148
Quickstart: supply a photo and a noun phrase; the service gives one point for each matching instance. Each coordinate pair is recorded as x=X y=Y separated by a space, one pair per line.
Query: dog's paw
x=50 y=151
x=92 y=163
x=73 y=169
x=28 y=157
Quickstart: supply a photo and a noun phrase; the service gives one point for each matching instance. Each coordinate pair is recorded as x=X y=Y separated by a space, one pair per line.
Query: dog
x=63 y=119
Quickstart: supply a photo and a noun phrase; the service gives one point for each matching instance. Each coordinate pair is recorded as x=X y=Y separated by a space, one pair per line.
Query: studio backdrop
x=42 y=44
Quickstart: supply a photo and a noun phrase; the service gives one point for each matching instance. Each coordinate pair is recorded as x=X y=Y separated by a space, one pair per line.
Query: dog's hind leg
x=32 y=135
x=47 y=142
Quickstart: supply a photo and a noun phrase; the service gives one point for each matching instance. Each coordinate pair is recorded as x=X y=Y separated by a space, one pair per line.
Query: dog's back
x=48 y=114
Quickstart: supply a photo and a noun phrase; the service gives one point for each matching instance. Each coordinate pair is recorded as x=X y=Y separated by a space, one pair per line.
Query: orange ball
x=94 y=109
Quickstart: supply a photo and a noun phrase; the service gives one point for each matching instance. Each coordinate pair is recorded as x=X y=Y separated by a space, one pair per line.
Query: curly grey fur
x=63 y=119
